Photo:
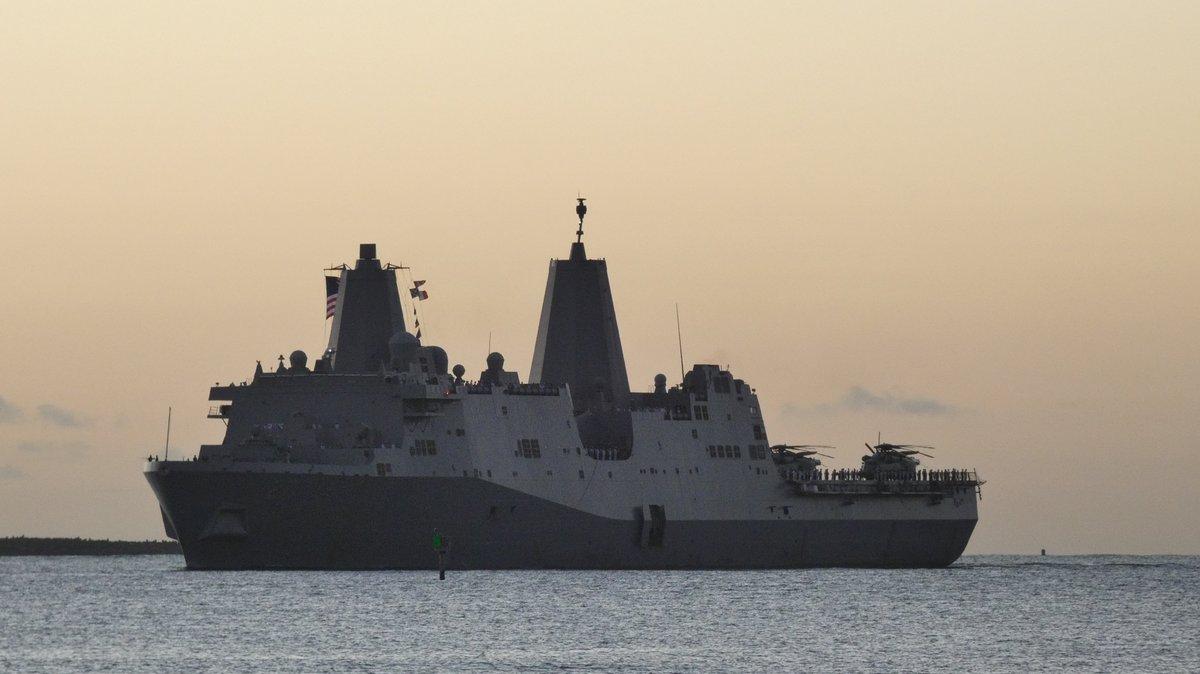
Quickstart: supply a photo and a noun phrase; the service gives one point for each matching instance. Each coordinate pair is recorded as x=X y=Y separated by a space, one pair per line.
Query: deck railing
x=854 y=481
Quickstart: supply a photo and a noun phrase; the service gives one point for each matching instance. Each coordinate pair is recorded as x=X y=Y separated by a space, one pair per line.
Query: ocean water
x=984 y=614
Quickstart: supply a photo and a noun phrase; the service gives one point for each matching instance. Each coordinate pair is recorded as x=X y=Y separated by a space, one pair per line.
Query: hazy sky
x=967 y=225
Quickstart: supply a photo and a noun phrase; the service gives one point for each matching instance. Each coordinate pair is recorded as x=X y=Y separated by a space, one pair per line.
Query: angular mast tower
x=368 y=315
x=578 y=342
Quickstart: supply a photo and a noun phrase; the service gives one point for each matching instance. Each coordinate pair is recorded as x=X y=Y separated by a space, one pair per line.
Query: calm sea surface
x=984 y=614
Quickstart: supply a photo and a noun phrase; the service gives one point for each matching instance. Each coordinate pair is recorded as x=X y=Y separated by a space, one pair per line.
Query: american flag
x=331 y=293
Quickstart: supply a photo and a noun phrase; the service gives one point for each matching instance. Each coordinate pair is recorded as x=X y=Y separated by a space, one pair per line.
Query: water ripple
x=984 y=614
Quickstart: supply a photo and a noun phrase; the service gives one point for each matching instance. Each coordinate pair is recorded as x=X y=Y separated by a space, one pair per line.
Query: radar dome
x=495 y=361
x=402 y=347
x=298 y=359
x=441 y=361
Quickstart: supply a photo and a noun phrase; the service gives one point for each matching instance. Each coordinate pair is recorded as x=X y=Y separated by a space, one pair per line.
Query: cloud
x=9 y=413
x=54 y=448
x=859 y=399
x=11 y=472
x=57 y=416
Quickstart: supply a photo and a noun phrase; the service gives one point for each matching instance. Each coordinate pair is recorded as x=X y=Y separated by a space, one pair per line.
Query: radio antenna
x=679 y=335
x=167 y=446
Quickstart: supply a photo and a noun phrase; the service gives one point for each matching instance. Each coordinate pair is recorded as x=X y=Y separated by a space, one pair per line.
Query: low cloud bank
x=57 y=416
x=860 y=399
x=9 y=413
x=11 y=472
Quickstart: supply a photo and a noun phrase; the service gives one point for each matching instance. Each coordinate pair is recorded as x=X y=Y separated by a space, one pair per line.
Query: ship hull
x=263 y=520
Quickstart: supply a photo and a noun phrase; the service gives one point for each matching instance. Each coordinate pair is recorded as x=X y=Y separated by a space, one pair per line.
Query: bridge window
x=727 y=451
x=529 y=448
x=423 y=447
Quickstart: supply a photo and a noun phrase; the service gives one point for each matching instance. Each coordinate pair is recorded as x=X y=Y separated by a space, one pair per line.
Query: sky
x=969 y=225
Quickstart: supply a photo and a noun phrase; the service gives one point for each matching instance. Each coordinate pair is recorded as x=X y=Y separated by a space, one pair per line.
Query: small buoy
x=1043 y=552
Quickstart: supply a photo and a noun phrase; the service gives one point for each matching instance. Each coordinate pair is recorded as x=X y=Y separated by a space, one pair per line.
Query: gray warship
x=380 y=450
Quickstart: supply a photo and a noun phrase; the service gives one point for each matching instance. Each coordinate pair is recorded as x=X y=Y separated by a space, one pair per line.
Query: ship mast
x=580 y=210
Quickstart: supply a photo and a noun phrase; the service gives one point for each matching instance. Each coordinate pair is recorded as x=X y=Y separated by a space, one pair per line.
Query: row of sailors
x=485 y=387
x=845 y=474
x=195 y=457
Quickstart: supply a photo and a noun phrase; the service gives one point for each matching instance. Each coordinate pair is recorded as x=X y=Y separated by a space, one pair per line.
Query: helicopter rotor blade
x=891 y=447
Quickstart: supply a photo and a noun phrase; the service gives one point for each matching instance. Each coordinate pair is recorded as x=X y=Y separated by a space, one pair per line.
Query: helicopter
x=892 y=459
x=798 y=457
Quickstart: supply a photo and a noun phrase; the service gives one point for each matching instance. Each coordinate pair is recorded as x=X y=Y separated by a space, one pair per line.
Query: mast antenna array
x=580 y=210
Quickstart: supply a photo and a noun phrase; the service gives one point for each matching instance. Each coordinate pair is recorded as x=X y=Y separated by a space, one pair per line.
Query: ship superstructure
x=357 y=461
